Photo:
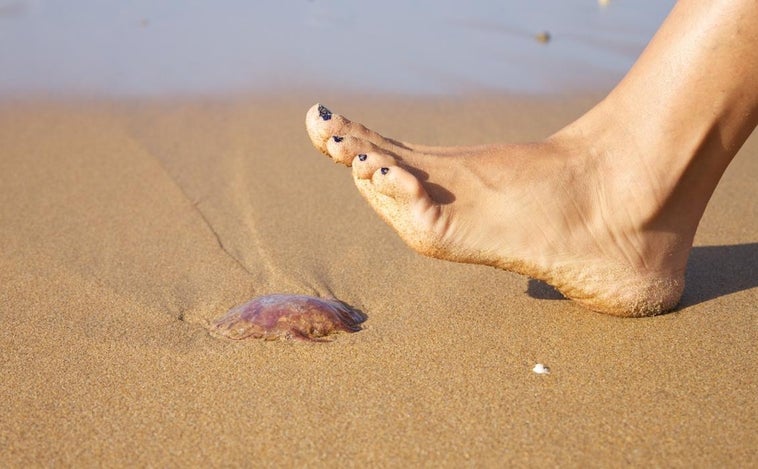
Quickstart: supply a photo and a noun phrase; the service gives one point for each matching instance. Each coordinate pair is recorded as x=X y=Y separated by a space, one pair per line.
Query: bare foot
x=606 y=209
x=580 y=215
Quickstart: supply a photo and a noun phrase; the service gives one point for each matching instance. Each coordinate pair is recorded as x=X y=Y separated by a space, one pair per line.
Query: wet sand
x=126 y=227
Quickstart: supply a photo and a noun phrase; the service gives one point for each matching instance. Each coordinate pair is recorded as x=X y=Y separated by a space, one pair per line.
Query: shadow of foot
x=542 y=291
x=712 y=271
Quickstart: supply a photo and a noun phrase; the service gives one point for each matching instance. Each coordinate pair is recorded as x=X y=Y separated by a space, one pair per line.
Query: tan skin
x=607 y=208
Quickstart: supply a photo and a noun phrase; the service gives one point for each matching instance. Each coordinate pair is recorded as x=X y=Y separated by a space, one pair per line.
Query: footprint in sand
x=282 y=316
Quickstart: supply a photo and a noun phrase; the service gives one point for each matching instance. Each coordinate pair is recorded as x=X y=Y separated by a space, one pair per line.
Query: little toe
x=343 y=149
x=401 y=200
x=366 y=164
x=396 y=182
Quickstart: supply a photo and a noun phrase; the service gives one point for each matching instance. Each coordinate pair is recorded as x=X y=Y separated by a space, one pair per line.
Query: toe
x=401 y=200
x=343 y=149
x=322 y=124
x=399 y=184
x=366 y=164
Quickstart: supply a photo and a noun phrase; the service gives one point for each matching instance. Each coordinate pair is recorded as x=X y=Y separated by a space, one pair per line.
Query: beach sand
x=127 y=226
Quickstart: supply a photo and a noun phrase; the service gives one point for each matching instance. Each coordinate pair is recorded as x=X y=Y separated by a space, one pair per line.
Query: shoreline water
x=426 y=48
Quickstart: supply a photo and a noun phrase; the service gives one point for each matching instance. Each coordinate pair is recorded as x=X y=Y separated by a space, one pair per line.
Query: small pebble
x=541 y=369
x=543 y=37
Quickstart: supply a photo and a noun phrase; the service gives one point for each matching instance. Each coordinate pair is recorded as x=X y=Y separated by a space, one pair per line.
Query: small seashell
x=541 y=369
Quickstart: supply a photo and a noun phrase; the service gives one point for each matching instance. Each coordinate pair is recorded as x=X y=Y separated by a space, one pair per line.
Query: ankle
x=629 y=195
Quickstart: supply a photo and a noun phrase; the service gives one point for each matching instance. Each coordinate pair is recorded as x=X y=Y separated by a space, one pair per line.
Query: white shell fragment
x=541 y=369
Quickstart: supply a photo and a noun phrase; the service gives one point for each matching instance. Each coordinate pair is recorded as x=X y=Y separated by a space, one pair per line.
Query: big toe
x=325 y=128
x=322 y=125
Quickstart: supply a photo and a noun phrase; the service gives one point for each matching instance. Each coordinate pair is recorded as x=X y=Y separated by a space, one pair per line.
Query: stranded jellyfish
x=300 y=317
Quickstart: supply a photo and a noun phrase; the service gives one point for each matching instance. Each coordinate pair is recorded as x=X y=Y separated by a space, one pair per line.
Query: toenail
x=385 y=170
x=338 y=139
x=362 y=157
x=325 y=113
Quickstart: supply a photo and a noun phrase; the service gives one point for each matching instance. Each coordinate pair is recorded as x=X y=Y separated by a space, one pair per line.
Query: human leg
x=606 y=209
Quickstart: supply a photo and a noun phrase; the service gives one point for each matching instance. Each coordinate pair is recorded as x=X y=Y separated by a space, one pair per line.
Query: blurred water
x=151 y=47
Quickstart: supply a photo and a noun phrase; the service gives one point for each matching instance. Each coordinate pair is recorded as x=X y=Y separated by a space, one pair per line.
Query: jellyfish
x=283 y=316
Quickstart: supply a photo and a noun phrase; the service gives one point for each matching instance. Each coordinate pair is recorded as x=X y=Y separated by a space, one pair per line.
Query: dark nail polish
x=338 y=139
x=385 y=170
x=362 y=157
x=325 y=113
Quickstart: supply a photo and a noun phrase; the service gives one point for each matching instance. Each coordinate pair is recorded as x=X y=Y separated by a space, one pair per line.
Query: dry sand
x=126 y=227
